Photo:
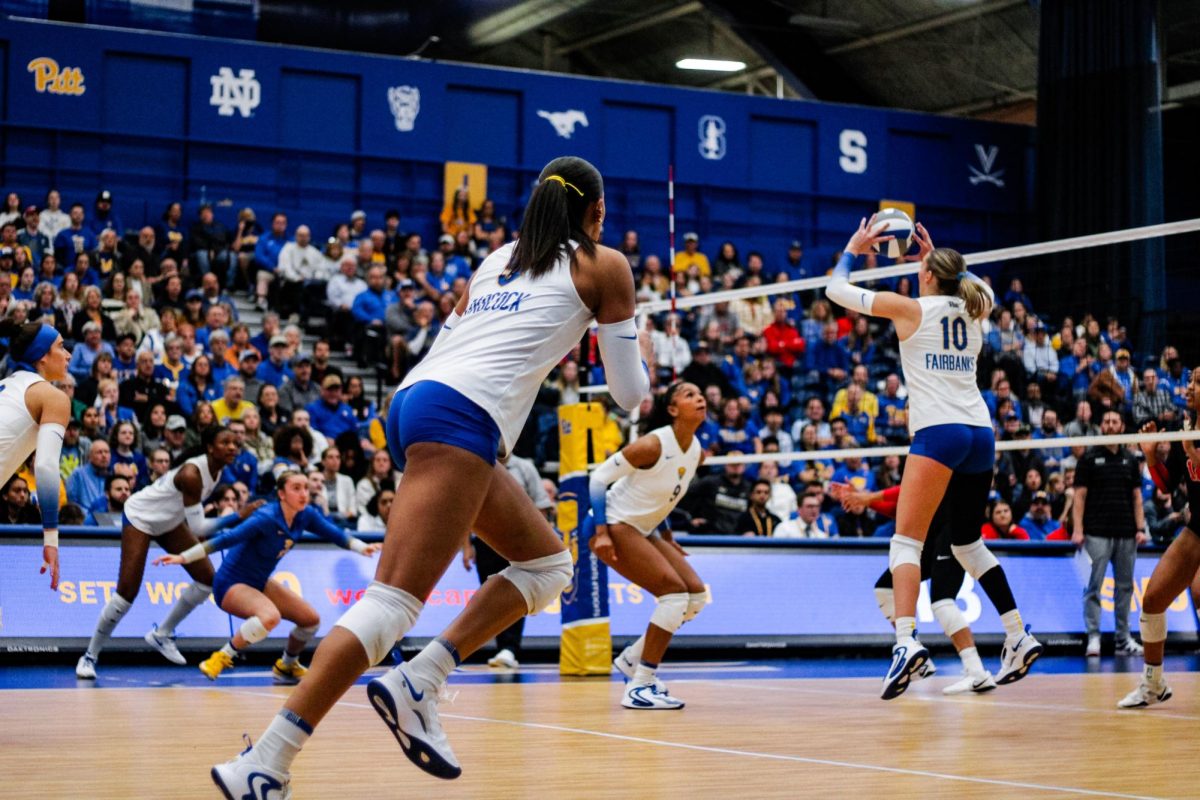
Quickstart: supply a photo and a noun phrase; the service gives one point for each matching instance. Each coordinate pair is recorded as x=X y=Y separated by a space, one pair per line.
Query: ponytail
x=554 y=216
x=953 y=279
x=660 y=416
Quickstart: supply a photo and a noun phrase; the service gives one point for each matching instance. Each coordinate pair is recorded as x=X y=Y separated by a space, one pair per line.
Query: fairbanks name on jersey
x=939 y=361
x=512 y=333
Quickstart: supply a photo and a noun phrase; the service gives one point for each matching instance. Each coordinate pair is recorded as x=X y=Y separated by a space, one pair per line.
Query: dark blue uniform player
x=243 y=587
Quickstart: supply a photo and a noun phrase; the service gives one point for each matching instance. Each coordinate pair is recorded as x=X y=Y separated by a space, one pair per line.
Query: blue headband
x=38 y=348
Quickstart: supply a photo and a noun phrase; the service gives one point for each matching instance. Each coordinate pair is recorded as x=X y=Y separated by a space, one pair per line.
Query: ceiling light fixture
x=710 y=64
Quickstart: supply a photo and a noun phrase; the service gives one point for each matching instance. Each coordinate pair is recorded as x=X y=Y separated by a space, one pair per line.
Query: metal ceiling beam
x=999 y=101
x=648 y=21
x=1183 y=91
x=519 y=20
x=741 y=78
x=932 y=23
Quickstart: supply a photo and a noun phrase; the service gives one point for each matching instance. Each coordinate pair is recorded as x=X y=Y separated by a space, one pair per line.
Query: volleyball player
x=1178 y=565
x=33 y=417
x=169 y=512
x=649 y=477
x=953 y=447
x=527 y=305
x=243 y=586
x=945 y=576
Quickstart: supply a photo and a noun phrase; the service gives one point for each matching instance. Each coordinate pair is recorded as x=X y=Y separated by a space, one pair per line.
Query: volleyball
x=897 y=223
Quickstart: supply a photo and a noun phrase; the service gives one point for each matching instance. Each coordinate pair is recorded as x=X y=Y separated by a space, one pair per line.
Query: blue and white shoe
x=85 y=668
x=907 y=659
x=412 y=718
x=165 y=645
x=1017 y=657
x=649 y=697
x=244 y=778
x=623 y=665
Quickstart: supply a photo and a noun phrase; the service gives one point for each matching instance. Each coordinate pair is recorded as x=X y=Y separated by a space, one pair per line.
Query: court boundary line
x=1131 y=713
x=752 y=753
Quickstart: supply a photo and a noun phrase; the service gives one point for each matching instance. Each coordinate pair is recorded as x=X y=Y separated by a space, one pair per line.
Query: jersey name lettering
x=946 y=362
x=498 y=301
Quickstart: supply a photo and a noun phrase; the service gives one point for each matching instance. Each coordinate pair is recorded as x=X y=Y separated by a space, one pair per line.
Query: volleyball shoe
x=412 y=717
x=244 y=778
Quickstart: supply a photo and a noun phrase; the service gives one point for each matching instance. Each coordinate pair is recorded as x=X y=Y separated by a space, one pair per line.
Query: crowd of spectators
x=159 y=354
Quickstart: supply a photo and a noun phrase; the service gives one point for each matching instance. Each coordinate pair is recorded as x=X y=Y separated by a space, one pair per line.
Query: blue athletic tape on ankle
x=297 y=720
x=452 y=650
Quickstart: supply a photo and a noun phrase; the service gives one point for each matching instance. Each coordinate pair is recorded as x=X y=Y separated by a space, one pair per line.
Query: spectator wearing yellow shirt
x=232 y=404
x=869 y=402
x=458 y=214
x=691 y=255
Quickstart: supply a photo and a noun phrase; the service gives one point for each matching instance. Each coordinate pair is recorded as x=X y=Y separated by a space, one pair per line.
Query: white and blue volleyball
x=894 y=222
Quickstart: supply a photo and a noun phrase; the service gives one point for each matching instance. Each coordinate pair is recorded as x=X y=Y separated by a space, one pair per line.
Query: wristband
x=50 y=537
x=193 y=553
x=357 y=545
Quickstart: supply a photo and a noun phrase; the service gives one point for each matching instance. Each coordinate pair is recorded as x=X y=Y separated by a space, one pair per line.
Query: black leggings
x=957 y=521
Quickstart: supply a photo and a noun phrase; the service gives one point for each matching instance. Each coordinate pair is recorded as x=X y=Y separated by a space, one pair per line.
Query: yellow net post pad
x=586 y=644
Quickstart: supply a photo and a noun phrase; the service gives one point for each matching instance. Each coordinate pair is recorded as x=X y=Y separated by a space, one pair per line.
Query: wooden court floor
x=1048 y=736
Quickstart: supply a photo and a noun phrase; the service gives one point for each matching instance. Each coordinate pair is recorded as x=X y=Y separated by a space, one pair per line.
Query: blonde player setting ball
x=953 y=446
x=34 y=417
x=1177 y=567
x=527 y=305
x=648 y=479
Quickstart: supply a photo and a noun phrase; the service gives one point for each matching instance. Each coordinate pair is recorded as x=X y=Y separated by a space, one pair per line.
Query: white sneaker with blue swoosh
x=412 y=718
x=649 y=697
x=1017 y=656
x=244 y=778
x=907 y=658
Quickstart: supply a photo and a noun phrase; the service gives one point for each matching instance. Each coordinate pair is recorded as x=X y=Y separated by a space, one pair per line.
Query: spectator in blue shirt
x=1074 y=371
x=793 y=266
x=31 y=238
x=106 y=509
x=854 y=472
x=75 y=240
x=87 y=481
x=1176 y=378
x=1049 y=430
x=828 y=359
x=1016 y=294
x=733 y=366
x=275 y=370
x=329 y=414
x=266 y=255
x=892 y=422
x=737 y=433
x=245 y=466
x=370 y=307
x=85 y=353
x=1038 y=523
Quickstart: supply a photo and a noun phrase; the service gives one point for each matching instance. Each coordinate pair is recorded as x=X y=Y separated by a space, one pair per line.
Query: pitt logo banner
x=49 y=77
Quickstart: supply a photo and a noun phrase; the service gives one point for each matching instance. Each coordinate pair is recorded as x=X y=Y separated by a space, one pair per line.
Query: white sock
x=1013 y=624
x=228 y=649
x=280 y=743
x=289 y=659
x=433 y=665
x=972 y=665
x=634 y=651
x=643 y=675
x=110 y=615
x=906 y=628
x=1153 y=674
x=189 y=600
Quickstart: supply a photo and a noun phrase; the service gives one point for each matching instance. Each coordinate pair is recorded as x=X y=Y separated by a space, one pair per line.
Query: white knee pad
x=904 y=550
x=253 y=630
x=380 y=618
x=669 y=612
x=949 y=616
x=541 y=580
x=975 y=558
x=886 y=598
x=305 y=634
x=695 y=604
x=1154 y=627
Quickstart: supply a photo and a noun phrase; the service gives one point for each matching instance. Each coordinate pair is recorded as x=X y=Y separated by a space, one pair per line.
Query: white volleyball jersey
x=158 y=508
x=511 y=335
x=939 y=362
x=645 y=498
x=18 y=430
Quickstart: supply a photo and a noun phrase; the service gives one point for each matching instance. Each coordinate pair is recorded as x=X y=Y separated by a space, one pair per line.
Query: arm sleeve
x=611 y=471
x=886 y=505
x=45 y=472
x=841 y=292
x=628 y=376
x=203 y=527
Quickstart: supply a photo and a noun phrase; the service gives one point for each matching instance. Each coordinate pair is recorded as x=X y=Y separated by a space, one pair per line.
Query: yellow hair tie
x=564 y=183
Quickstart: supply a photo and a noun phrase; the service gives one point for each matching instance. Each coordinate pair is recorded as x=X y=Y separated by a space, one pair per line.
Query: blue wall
x=312 y=133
